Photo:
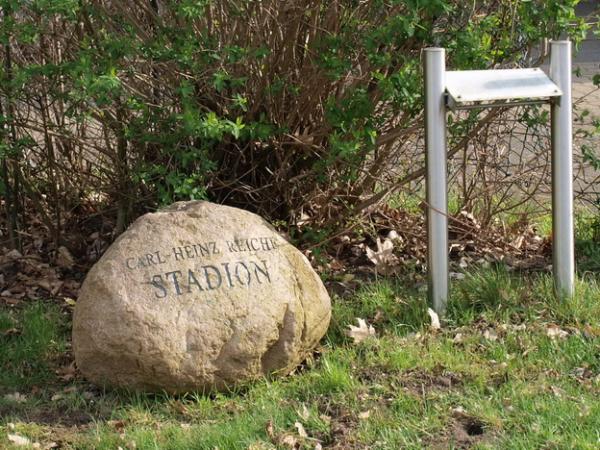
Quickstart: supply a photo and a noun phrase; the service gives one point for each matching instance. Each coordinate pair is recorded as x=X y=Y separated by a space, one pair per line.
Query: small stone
x=197 y=296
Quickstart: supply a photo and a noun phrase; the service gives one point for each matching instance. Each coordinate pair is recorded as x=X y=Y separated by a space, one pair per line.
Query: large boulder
x=197 y=296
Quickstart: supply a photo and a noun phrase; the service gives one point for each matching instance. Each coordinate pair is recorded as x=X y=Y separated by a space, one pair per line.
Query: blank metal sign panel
x=505 y=84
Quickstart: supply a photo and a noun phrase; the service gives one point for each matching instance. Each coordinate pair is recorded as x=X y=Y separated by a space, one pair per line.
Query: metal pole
x=437 y=202
x=563 y=257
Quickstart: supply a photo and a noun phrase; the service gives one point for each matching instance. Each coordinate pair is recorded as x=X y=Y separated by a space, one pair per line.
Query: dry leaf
x=379 y=316
x=270 y=430
x=459 y=411
x=52 y=285
x=301 y=430
x=361 y=332
x=118 y=425
x=68 y=372
x=590 y=332
x=384 y=259
x=555 y=332
x=16 y=397
x=325 y=418
x=305 y=413
x=435 y=319
x=289 y=441
x=19 y=441
x=490 y=334
x=518 y=241
x=558 y=392
x=364 y=415
x=64 y=258
x=303 y=219
x=582 y=372
x=11 y=332
x=14 y=254
x=395 y=237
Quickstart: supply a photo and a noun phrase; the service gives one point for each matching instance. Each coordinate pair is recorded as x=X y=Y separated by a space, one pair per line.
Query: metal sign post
x=563 y=246
x=470 y=89
x=437 y=201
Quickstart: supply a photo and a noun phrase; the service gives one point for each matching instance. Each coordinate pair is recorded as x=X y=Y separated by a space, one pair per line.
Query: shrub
x=285 y=108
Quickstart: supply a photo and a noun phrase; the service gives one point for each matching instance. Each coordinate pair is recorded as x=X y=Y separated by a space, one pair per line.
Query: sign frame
x=457 y=90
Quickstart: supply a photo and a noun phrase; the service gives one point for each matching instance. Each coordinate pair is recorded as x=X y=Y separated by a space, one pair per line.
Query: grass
x=492 y=377
x=24 y=359
x=587 y=230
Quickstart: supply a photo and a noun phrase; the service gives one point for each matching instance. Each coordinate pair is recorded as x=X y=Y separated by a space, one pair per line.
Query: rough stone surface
x=197 y=296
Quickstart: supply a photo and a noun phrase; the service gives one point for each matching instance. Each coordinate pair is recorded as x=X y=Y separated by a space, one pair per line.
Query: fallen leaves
x=471 y=242
x=361 y=332
x=28 y=276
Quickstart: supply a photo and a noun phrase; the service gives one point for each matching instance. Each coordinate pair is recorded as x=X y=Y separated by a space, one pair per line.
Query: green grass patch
x=587 y=232
x=30 y=339
x=510 y=368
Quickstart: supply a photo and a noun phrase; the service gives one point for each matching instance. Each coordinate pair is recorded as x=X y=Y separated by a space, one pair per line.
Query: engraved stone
x=197 y=296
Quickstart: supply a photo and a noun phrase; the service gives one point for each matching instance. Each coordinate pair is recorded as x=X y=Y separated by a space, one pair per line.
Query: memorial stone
x=197 y=296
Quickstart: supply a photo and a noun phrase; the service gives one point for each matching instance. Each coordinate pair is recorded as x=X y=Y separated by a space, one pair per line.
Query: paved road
x=586 y=96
